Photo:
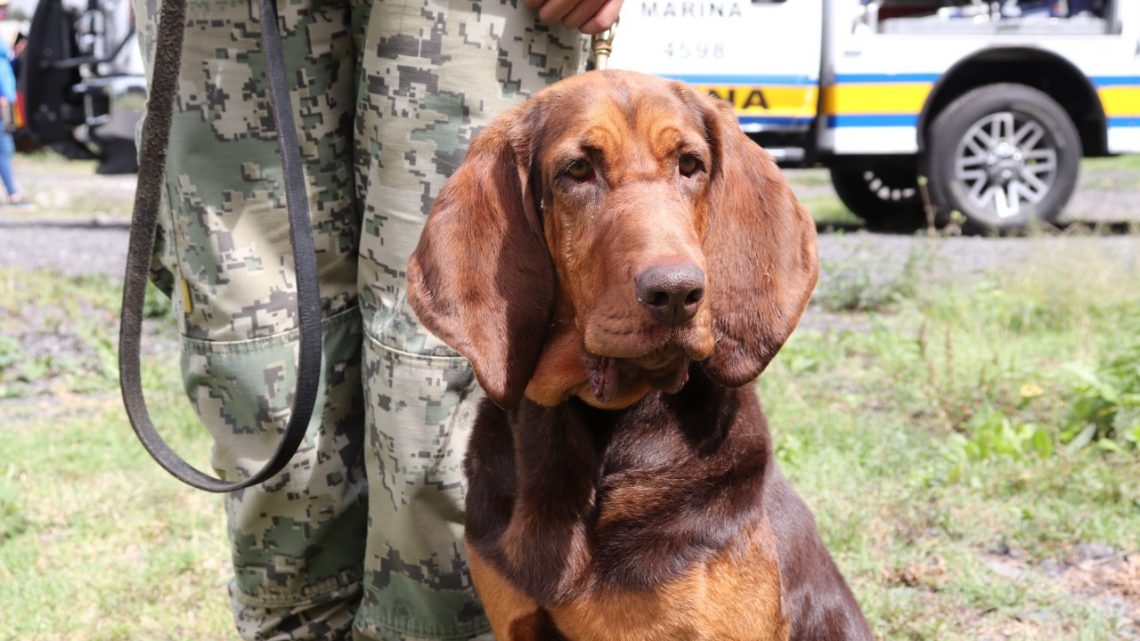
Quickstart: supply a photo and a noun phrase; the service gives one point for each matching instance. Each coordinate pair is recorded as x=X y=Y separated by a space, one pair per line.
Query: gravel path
x=72 y=248
x=958 y=257
x=92 y=247
x=83 y=229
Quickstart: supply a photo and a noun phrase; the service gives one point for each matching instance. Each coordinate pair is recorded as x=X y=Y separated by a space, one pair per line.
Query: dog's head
x=606 y=233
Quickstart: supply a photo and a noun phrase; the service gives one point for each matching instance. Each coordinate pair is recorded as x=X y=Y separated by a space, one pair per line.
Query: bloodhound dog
x=619 y=263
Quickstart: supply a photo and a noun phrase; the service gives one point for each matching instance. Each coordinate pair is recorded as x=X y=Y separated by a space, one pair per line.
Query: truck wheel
x=884 y=193
x=1003 y=155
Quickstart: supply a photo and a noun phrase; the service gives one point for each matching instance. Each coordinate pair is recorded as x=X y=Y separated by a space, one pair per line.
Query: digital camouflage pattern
x=362 y=531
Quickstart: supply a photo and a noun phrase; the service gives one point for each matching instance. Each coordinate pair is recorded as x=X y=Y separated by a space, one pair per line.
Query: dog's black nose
x=672 y=293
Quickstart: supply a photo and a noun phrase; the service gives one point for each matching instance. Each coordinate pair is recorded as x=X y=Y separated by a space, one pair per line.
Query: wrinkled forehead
x=615 y=117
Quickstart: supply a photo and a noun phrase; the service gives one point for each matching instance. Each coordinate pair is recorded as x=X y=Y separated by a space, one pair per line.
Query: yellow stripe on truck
x=1120 y=101
x=876 y=98
x=797 y=102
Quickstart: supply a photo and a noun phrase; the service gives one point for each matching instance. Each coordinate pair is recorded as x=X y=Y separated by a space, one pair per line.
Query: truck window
x=1029 y=17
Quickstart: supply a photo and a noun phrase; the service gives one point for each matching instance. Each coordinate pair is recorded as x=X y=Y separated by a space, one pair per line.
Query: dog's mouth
x=623 y=363
x=665 y=368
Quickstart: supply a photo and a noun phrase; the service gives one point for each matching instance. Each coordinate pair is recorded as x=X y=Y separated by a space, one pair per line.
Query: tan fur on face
x=636 y=212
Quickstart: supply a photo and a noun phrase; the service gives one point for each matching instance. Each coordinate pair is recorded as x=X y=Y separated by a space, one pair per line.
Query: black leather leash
x=152 y=165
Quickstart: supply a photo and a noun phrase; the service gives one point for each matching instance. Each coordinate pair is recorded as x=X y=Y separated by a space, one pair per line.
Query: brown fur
x=622 y=485
x=732 y=596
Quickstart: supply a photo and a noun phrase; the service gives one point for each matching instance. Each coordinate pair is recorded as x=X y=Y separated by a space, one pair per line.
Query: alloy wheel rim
x=1007 y=161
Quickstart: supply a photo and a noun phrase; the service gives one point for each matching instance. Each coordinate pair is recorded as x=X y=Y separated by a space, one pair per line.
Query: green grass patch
x=96 y=542
x=958 y=440
x=88 y=195
x=45 y=161
x=826 y=209
x=813 y=188
x=963 y=439
x=56 y=333
x=1125 y=163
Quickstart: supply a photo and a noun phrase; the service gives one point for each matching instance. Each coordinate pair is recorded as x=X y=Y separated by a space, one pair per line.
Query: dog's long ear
x=481 y=277
x=760 y=249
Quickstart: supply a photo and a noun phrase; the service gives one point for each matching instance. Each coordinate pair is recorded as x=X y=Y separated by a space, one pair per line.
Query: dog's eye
x=580 y=169
x=688 y=165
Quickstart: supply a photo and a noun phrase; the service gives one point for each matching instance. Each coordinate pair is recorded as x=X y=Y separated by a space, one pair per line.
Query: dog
x=619 y=262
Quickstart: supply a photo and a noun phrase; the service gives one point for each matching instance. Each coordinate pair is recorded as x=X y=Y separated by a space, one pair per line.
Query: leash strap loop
x=153 y=146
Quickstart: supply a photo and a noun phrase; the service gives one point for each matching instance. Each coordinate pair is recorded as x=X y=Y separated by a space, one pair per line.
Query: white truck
x=993 y=102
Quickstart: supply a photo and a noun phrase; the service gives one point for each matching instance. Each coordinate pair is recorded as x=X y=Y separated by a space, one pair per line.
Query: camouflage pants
x=361 y=535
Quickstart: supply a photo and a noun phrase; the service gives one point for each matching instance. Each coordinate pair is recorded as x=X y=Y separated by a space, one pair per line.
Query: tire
x=1006 y=156
x=883 y=192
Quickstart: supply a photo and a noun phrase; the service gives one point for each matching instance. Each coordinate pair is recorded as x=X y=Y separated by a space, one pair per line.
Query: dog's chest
x=733 y=596
x=566 y=498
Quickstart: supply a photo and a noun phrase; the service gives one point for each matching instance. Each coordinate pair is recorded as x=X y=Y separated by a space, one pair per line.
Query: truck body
x=994 y=103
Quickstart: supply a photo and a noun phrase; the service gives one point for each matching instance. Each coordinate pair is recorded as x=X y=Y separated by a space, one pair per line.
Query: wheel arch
x=1043 y=70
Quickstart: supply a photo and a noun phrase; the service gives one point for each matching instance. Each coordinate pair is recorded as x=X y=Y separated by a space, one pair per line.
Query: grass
x=938 y=450
x=1128 y=163
x=813 y=188
x=97 y=543
x=927 y=429
x=826 y=209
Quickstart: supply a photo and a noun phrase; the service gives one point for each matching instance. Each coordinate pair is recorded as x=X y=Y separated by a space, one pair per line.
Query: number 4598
x=694 y=50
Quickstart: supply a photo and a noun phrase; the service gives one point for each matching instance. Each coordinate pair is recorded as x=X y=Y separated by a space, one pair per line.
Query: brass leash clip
x=602 y=45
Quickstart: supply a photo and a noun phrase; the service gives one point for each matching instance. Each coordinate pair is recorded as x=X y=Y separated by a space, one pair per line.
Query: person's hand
x=588 y=16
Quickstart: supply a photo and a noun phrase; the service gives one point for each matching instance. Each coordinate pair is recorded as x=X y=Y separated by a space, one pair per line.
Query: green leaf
x=1042 y=443
x=1083 y=439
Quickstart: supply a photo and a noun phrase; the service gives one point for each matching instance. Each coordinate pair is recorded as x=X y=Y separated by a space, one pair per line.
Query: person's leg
x=433 y=73
x=298 y=539
x=7 y=150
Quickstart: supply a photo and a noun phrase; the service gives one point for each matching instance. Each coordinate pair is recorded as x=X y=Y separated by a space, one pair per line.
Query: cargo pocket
x=420 y=412
x=298 y=537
